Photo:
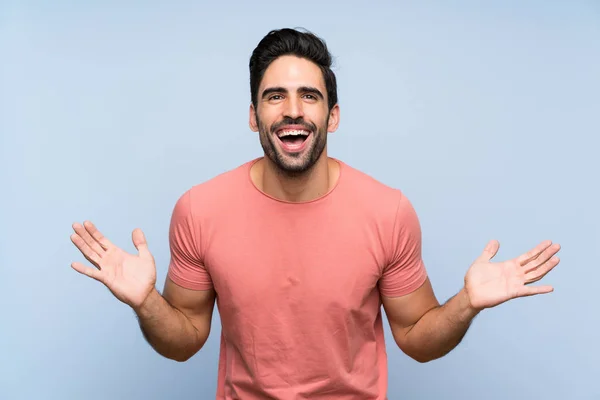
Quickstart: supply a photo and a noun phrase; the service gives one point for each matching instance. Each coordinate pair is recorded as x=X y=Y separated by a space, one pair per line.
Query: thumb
x=139 y=241
x=491 y=249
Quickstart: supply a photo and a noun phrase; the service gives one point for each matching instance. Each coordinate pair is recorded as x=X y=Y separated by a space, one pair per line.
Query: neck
x=307 y=186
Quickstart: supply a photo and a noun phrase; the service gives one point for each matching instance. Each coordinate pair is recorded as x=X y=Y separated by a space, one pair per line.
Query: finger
x=535 y=290
x=490 y=251
x=140 y=243
x=541 y=271
x=542 y=258
x=533 y=253
x=87 y=271
x=86 y=250
x=97 y=235
x=88 y=239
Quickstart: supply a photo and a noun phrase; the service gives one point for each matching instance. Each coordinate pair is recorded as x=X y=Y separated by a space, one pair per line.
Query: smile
x=293 y=140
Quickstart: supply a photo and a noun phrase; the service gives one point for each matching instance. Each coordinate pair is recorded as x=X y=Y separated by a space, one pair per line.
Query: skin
x=425 y=331
x=177 y=323
x=309 y=174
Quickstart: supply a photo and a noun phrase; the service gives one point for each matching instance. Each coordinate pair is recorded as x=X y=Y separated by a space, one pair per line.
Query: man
x=300 y=251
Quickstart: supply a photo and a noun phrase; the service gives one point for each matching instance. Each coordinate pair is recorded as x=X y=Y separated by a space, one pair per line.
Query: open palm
x=129 y=277
x=489 y=284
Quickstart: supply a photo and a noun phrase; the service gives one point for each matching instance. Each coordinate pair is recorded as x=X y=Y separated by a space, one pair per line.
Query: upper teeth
x=294 y=133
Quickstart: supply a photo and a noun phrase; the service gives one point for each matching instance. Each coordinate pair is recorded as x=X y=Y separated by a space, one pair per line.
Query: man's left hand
x=489 y=284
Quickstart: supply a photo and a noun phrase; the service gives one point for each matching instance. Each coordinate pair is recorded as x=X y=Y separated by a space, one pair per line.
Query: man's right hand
x=131 y=278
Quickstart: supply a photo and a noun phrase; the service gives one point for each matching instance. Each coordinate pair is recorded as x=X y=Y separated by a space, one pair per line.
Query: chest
x=294 y=267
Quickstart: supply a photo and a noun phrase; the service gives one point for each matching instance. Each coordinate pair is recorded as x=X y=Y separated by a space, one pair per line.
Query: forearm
x=440 y=330
x=167 y=329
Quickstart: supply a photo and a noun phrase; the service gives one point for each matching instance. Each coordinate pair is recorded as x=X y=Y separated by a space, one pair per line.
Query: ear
x=252 y=119
x=334 y=119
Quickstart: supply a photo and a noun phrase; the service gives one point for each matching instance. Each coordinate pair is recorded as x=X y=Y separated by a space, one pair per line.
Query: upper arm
x=404 y=286
x=404 y=271
x=188 y=286
x=403 y=312
x=196 y=305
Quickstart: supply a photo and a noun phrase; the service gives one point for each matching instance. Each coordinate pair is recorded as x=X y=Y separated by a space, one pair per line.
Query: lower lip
x=292 y=148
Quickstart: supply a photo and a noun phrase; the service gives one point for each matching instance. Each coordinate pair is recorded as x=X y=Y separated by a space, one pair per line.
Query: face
x=292 y=116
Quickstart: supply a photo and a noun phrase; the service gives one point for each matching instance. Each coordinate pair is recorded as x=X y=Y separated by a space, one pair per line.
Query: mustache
x=294 y=121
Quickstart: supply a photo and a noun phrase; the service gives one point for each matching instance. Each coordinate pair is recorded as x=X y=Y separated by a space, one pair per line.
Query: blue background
x=485 y=114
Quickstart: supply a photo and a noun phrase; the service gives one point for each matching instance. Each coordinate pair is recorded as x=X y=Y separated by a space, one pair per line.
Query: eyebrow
x=302 y=89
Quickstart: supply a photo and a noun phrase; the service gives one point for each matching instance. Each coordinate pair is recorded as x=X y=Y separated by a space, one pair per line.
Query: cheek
x=318 y=114
x=265 y=120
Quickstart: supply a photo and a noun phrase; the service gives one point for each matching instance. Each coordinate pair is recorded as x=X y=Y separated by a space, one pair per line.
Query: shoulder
x=373 y=201
x=368 y=191
x=215 y=192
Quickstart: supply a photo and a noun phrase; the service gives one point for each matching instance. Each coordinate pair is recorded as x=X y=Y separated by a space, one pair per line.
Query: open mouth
x=293 y=140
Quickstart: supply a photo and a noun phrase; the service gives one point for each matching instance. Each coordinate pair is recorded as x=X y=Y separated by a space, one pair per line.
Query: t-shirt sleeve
x=186 y=266
x=405 y=271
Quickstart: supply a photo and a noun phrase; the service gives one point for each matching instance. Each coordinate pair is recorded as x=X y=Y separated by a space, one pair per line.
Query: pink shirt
x=298 y=284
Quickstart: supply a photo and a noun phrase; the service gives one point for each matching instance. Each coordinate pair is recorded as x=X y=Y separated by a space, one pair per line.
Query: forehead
x=290 y=72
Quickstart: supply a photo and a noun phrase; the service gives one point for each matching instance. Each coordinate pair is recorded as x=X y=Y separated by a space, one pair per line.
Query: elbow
x=186 y=354
x=175 y=356
x=180 y=355
x=181 y=358
x=422 y=359
x=421 y=353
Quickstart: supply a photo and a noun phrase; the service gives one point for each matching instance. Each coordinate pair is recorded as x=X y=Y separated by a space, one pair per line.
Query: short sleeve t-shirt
x=298 y=285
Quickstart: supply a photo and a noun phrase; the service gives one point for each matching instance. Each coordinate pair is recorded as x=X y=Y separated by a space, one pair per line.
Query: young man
x=300 y=251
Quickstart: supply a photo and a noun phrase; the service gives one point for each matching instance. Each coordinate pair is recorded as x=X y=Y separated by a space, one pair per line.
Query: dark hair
x=287 y=41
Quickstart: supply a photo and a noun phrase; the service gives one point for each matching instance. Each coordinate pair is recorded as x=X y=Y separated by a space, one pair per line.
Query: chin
x=293 y=165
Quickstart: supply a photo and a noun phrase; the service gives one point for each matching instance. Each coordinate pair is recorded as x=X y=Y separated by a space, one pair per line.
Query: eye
x=310 y=96
x=275 y=97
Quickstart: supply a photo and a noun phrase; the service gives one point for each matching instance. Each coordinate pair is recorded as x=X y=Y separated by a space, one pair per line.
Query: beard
x=297 y=163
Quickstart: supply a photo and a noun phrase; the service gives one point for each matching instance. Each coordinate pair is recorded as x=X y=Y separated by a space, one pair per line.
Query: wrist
x=148 y=303
x=466 y=305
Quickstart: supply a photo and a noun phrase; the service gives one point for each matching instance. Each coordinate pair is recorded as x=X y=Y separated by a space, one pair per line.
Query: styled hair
x=288 y=41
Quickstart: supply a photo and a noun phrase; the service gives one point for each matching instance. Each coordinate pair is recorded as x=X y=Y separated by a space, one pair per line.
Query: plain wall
x=485 y=115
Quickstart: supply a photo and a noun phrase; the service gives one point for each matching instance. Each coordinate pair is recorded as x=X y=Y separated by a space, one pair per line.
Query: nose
x=293 y=108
